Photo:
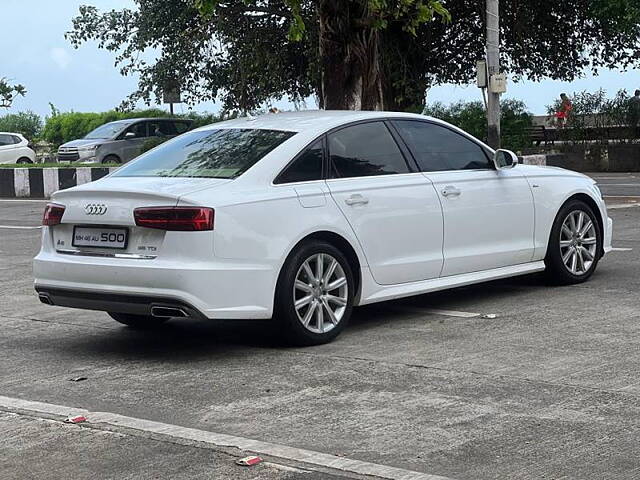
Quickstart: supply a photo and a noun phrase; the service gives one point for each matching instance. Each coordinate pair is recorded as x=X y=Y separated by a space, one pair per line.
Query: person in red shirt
x=564 y=111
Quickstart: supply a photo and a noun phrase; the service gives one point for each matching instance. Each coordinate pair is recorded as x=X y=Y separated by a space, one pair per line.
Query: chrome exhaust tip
x=44 y=298
x=168 y=312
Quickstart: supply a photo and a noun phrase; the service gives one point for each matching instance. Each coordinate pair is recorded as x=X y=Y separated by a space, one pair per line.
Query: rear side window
x=437 y=148
x=221 y=153
x=161 y=128
x=364 y=150
x=306 y=168
x=16 y=139
x=6 y=140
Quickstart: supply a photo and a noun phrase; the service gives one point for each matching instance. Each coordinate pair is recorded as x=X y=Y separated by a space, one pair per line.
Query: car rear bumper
x=217 y=290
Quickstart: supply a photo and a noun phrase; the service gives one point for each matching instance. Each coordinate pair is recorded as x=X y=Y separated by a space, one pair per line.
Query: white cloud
x=60 y=57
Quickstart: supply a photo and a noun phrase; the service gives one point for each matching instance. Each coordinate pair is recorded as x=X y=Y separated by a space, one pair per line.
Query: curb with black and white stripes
x=42 y=182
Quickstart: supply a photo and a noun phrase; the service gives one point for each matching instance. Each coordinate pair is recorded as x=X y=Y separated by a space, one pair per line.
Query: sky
x=34 y=52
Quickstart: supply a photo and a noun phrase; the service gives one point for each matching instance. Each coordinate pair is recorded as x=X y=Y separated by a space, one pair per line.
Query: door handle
x=450 y=191
x=356 y=199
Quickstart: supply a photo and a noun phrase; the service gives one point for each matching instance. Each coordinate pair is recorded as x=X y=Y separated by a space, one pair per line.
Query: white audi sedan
x=302 y=216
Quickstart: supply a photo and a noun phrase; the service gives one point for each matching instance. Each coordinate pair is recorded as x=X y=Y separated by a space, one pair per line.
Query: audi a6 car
x=299 y=217
x=120 y=141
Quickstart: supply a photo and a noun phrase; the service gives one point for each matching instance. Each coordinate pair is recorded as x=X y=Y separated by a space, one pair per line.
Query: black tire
x=557 y=272
x=140 y=322
x=23 y=160
x=111 y=159
x=289 y=324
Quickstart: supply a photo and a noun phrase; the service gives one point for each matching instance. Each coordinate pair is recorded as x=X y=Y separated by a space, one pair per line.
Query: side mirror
x=504 y=159
x=129 y=135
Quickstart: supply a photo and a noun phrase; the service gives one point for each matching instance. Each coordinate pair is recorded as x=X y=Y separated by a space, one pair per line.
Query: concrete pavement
x=547 y=389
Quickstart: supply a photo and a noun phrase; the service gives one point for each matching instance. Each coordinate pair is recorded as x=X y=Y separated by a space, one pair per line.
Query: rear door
x=394 y=211
x=488 y=213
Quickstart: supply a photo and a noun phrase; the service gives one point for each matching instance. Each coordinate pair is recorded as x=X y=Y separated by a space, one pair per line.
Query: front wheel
x=315 y=294
x=140 y=322
x=575 y=244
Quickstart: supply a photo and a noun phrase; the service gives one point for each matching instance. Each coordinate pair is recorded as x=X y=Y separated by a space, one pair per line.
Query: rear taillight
x=52 y=214
x=183 y=219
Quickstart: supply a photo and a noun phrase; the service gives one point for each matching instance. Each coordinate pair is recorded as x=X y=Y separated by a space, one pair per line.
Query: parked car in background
x=120 y=141
x=14 y=148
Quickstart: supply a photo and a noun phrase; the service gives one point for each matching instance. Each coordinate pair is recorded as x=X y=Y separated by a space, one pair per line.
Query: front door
x=395 y=213
x=488 y=213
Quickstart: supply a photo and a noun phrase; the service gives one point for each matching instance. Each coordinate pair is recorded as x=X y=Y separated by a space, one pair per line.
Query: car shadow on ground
x=186 y=339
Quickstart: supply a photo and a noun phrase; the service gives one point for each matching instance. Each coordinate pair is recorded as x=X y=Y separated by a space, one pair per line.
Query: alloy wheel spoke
x=565 y=243
x=309 y=314
x=572 y=224
x=580 y=261
x=330 y=270
x=336 y=284
x=330 y=313
x=566 y=230
x=585 y=251
x=319 y=266
x=580 y=221
x=589 y=241
x=574 y=261
x=586 y=228
x=337 y=300
x=320 y=317
x=309 y=272
x=567 y=256
x=300 y=285
x=303 y=301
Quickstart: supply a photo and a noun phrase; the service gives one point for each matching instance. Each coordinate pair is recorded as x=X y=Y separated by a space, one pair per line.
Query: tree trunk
x=349 y=58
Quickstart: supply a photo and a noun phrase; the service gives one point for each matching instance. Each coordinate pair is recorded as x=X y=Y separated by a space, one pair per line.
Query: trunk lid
x=109 y=203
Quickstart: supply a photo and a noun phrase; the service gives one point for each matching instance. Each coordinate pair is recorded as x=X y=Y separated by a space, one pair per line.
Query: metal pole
x=493 y=67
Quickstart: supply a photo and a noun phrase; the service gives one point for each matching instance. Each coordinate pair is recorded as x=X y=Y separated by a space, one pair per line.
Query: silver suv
x=120 y=141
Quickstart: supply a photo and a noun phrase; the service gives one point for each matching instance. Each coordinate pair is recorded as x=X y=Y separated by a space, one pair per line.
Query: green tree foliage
x=351 y=54
x=63 y=127
x=471 y=117
x=27 y=123
x=9 y=92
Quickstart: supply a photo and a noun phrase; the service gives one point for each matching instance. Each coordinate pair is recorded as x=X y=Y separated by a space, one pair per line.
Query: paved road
x=618 y=184
x=548 y=389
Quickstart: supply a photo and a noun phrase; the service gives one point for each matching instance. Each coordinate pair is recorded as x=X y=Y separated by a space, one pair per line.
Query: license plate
x=101 y=237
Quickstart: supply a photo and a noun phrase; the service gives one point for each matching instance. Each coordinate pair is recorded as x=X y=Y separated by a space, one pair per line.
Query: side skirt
x=372 y=292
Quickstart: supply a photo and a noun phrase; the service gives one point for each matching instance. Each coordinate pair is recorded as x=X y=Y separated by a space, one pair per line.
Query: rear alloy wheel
x=575 y=243
x=140 y=322
x=315 y=295
x=24 y=160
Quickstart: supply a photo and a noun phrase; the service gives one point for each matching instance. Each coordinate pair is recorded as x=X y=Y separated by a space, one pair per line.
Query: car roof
x=308 y=120
x=146 y=119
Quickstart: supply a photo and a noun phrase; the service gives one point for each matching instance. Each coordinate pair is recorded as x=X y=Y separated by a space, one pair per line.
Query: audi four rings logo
x=95 y=209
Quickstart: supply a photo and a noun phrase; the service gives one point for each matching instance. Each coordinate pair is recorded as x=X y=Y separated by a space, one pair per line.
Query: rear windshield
x=222 y=153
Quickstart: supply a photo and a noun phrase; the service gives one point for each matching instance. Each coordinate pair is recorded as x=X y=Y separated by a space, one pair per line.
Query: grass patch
x=58 y=165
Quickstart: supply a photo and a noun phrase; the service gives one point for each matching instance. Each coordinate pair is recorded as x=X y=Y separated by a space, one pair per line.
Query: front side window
x=221 y=153
x=364 y=150
x=306 y=168
x=138 y=129
x=437 y=148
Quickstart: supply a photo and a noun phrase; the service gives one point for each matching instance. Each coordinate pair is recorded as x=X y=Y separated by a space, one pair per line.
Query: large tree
x=368 y=54
x=9 y=92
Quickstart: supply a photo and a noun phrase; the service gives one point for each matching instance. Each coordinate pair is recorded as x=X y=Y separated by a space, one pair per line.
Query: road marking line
x=621 y=196
x=19 y=227
x=15 y=200
x=220 y=439
x=618 y=207
x=621 y=249
x=437 y=311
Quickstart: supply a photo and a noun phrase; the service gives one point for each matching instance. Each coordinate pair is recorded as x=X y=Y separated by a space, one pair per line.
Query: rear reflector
x=183 y=219
x=52 y=214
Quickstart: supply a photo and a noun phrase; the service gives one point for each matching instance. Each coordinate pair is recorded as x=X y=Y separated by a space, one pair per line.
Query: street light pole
x=493 y=68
